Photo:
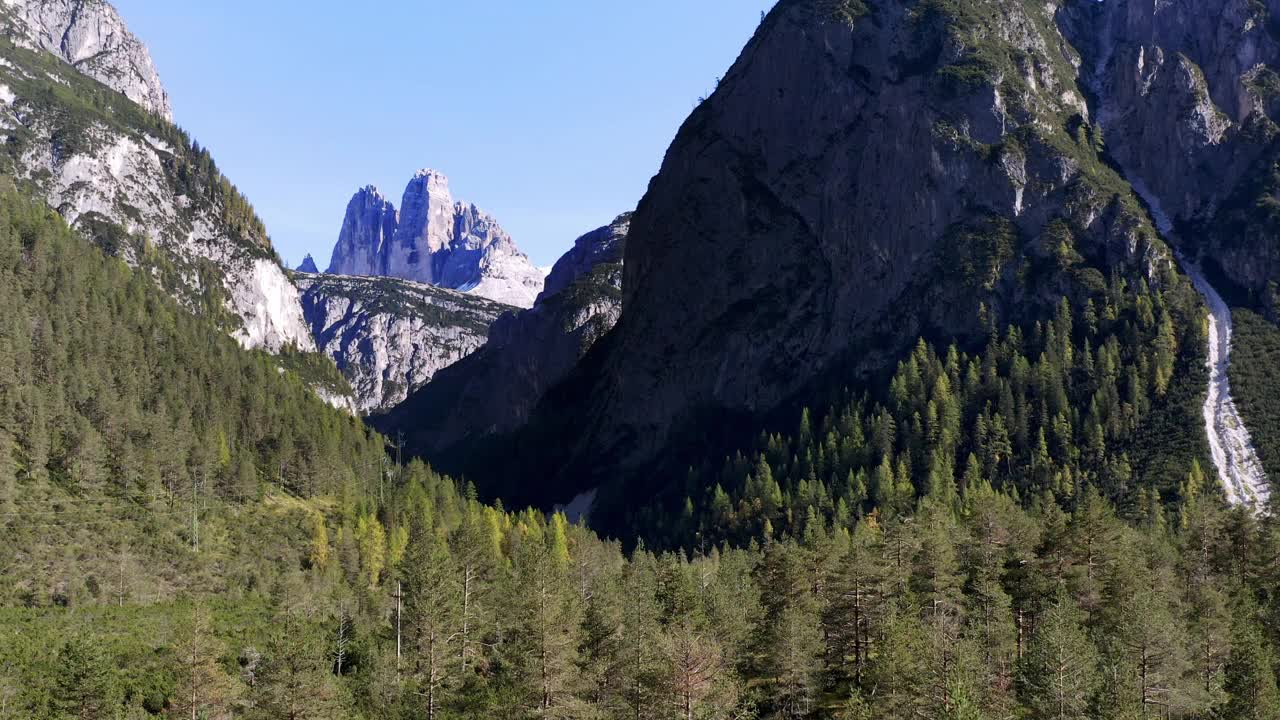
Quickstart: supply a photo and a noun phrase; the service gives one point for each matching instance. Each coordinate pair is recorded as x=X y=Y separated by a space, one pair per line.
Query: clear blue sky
x=550 y=114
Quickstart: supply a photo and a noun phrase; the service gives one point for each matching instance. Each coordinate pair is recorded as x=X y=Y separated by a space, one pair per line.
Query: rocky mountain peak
x=426 y=223
x=432 y=180
x=436 y=240
x=91 y=36
x=367 y=229
x=308 y=265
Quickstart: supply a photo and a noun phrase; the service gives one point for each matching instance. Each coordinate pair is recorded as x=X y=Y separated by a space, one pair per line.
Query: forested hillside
x=1106 y=393
x=187 y=531
x=115 y=402
x=891 y=264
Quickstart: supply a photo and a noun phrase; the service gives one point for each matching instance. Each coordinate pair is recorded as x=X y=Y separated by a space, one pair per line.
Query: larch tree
x=203 y=689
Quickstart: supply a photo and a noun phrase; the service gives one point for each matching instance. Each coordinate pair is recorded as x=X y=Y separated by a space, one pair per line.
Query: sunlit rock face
x=433 y=239
x=92 y=37
x=390 y=336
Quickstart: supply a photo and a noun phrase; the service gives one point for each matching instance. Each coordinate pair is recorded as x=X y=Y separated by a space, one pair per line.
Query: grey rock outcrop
x=494 y=390
x=601 y=246
x=433 y=240
x=390 y=336
x=92 y=37
x=308 y=265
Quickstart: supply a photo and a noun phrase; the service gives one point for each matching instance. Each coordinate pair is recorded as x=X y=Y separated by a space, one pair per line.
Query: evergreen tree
x=1058 y=674
x=432 y=616
x=292 y=682
x=1249 y=678
x=84 y=684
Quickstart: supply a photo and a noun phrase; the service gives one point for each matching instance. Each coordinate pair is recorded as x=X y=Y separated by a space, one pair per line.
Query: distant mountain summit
x=92 y=38
x=308 y=265
x=434 y=240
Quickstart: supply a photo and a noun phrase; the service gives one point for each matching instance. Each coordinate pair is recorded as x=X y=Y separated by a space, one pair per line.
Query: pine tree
x=641 y=647
x=547 y=616
x=1058 y=674
x=791 y=644
x=292 y=682
x=1249 y=678
x=432 y=617
x=477 y=557
x=898 y=676
x=84 y=685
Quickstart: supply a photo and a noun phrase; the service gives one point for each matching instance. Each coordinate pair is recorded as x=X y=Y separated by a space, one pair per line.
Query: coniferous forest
x=963 y=459
x=189 y=531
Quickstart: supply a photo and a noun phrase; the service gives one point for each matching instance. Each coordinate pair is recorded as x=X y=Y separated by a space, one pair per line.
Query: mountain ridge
x=389 y=336
x=527 y=351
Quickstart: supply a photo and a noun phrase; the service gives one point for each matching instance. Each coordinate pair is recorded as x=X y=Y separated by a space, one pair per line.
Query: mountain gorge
x=527 y=352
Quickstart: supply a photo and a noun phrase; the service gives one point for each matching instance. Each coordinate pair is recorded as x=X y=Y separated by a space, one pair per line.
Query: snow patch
x=6 y=95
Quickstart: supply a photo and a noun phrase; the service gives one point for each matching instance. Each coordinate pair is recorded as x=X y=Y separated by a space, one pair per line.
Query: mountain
x=1189 y=96
x=433 y=240
x=493 y=390
x=390 y=336
x=308 y=265
x=863 y=176
x=893 y=397
x=127 y=176
x=91 y=36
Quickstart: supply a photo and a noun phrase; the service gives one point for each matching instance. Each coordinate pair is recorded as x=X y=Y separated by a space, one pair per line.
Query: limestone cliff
x=433 y=240
x=389 y=336
x=105 y=159
x=1187 y=92
x=92 y=37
